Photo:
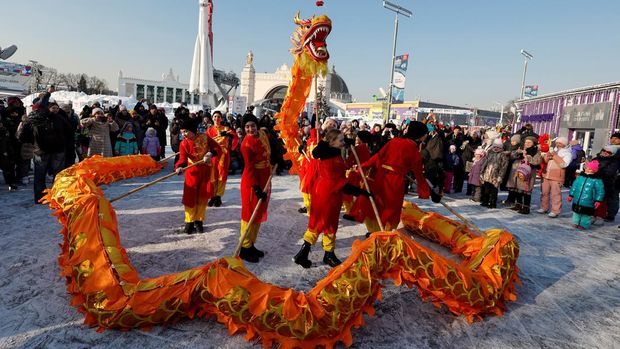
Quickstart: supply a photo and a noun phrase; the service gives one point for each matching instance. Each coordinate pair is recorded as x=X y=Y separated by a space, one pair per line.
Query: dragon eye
x=307 y=27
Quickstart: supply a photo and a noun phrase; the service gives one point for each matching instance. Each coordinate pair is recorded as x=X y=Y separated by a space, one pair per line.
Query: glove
x=570 y=199
x=349 y=141
x=436 y=198
x=366 y=193
x=223 y=133
x=301 y=149
x=207 y=157
x=179 y=171
x=259 y=192
x=596 y=205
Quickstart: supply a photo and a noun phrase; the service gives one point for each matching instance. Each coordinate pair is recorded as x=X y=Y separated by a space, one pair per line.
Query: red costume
x=390 y=166
x=256 y=156
x=354 y=177
x=221 y=162
x=196 y=188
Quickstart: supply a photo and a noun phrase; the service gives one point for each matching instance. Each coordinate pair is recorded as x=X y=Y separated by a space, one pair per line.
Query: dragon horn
x=296 y=19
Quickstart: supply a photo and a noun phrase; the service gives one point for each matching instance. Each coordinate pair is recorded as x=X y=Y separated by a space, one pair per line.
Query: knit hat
x=532 y=138
x=364 y=136
x=452 y=148
x=189 y=126
x=562 y=140
x=611 y=148
x=615 y=135
x=415 y=130
x=516 y=138
x=248 y=118
x=592 y=166
x=95 y=111
x=525 y=170
x=479 y=151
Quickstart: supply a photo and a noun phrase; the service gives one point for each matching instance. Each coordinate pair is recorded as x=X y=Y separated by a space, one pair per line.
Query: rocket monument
x=201 y=79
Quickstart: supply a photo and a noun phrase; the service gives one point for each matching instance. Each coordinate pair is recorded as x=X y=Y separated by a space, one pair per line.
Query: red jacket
x=196 y=188
x=308 y=174
x=256 y=155
x=354 y=177
x=390 y=166
x=221 y=162
x=327 y=195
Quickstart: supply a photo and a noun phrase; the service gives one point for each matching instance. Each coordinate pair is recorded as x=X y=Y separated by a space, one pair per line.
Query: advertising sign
x=400 y=67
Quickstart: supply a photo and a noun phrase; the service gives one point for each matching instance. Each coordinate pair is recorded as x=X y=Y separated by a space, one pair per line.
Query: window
x=150 y=92
x=179 y=95
x=169 y=95
x=139 y=91
x=196 y=99
x=160 y=94
x=187 y=98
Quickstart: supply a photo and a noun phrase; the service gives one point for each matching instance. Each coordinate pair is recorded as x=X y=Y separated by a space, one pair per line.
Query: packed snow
x=570 y=296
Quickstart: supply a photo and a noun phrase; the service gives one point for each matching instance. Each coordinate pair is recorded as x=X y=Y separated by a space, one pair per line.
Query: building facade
x=588 y=114
x=269 y=89
x=169 y=89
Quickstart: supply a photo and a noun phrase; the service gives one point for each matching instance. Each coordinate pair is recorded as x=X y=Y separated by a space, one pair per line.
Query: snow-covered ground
x=570 y=295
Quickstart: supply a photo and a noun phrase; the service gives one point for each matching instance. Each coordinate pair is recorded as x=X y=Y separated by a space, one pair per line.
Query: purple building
x=588 y=114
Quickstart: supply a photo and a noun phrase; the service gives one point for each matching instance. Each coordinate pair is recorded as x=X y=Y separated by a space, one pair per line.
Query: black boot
x=211 y=202
x=247 y=255
x=301 y=257
x=524 y=209
x=257 y=252
x=189 y=228
x=303 y=210
x=199 y=227
x=348 y=217
x=217 y=201
x=517 y=207
x=330 y=259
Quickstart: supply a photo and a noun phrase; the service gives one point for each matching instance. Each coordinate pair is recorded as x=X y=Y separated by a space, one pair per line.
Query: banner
x=531 y=90
x=398 y=89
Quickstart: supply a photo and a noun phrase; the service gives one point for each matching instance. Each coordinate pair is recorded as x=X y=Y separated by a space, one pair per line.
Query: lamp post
x=399 y=11
x=527 y=56
x=501 y=115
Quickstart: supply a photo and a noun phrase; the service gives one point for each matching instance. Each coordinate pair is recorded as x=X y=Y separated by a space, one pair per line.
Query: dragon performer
x=310 y=51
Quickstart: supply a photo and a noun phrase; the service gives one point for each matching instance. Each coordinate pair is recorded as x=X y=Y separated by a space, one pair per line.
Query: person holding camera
x=228 y=140
x=99 y=128
x=553 y=177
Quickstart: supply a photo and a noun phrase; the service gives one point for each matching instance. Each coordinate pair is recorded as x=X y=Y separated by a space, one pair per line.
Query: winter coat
x=151 y=145
x=494 y=166
x=99 y=132
x=556 y=167
x=126 y=144
x=432 y=154
x=534 y=158
x=607 y=170
x=586 y=190
x=175 y=133
x=48 y=132
x=474 y=173
x=452 y=162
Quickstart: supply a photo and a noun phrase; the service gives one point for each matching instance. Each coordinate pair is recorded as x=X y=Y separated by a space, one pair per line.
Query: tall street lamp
x=501 y=115
x=399 y=11
x=527 y=56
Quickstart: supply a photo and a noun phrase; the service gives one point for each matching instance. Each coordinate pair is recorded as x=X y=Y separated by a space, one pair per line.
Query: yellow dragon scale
x=107 y=289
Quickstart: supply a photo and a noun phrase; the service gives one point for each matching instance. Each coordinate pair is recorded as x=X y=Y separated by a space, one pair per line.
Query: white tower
x=248 y=79
x=201 y=78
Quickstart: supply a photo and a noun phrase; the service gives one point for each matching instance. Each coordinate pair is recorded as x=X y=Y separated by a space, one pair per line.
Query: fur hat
x=189 y=126
x=562 y=140
x=497 y=142
x=592 y=166
x=516 y=138
x=479 y=151
x=611 y=148
x=248 y=118
x=151 y=132
x=416 y=130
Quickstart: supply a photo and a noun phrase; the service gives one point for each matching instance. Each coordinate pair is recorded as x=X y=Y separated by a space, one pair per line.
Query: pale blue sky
x=462 y=52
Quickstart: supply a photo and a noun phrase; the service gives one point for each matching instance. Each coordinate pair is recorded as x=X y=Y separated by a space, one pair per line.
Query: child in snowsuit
x=150 y=144
x=126 y=142
x=586 y=194
x=474 y=175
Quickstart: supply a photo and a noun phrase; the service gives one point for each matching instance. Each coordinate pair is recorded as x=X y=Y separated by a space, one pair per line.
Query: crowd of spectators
x=490 y=160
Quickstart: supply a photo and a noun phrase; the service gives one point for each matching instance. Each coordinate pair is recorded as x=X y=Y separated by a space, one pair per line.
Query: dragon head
x=310 y=37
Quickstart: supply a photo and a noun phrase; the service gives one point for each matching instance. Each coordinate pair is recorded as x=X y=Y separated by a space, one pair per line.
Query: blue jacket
x=586 y=190
x=126 y=144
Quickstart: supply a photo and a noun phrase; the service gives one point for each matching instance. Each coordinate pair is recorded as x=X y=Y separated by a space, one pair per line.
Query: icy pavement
x=570 y=295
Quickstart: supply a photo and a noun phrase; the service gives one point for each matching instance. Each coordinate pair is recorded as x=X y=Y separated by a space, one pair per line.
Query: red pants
x=447 y=182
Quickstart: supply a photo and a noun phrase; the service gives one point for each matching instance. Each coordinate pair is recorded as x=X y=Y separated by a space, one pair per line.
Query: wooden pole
x=168 y=158
x=372 y=201
x=253 y=217
x=465 y=220
x=155 y=181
